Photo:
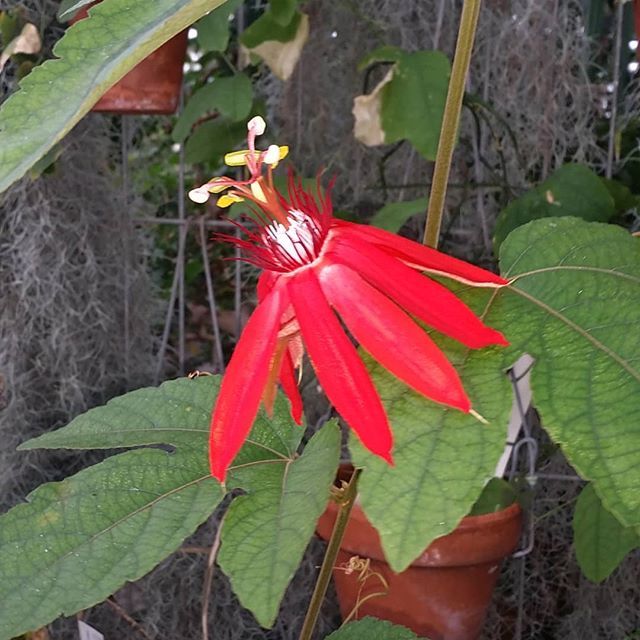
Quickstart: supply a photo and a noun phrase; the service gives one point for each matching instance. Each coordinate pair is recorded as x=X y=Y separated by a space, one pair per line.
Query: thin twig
x=128 y=619
x=208 y=580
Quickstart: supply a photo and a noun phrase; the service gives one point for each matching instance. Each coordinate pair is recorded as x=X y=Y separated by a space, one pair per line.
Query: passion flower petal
x=421 y=257
x=244 y=382
x=340 y=371
x=431 y=302
x=376 y=322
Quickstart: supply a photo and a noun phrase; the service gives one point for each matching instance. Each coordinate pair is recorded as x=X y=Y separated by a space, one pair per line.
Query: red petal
x=392 y=338
x=340 y=371
x=419 y=295
x=290 y=387
x=244 y=382
x=266 y=282
x=419 y=256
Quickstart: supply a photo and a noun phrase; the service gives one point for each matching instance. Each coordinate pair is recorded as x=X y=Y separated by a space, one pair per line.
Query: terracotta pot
x=152 y=86
x=445 y=593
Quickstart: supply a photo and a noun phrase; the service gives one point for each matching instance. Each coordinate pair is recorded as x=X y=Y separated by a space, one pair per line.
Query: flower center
x=295 y=245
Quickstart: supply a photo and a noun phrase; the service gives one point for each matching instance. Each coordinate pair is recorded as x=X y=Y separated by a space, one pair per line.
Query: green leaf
x=212 y=139
x=232 y=97
x=69 y=8
x=575 y=307
x=266 y=531
x=75 y=542
x=372 y=629
x=386 y=53
x=79 y=540
x=413 y=102
x=266 y=29
x=393 y=215
x=497 y=495
x=623 y=199
x=175 y=413
x=282 y=11
x=573 y=190
x=443 y=458
x=213 y=29
x=10 y=26
x=600 y=540
x=92 y=56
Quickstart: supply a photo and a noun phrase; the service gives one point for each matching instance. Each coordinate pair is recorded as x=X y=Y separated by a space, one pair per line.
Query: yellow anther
x=257 y=191
x=237 y=158
x=228 y=199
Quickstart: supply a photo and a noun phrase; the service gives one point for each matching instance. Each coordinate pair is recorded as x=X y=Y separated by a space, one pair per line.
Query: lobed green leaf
x=574 y=305
x=266 y=531
x=443 y=458
x=75 y=542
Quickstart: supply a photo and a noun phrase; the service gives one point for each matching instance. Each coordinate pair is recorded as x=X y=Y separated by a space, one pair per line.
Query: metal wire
x=181 y=256
x=126 y=255
x=218 y=356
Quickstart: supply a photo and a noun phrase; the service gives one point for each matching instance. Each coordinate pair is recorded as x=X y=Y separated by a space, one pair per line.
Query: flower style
x=314 y=266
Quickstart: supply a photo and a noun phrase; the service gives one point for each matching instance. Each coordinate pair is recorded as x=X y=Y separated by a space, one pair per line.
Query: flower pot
x=152 y=86
x=445 y=593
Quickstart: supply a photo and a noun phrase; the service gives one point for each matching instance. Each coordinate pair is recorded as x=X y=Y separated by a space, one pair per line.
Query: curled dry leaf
x=367 y=113
x=282 y=57
x=28 y=41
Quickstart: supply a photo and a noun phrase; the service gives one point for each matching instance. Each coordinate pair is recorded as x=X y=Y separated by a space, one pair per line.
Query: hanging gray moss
x=69 y=261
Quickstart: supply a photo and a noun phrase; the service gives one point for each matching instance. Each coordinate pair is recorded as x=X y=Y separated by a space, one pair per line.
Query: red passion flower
x=314 y=267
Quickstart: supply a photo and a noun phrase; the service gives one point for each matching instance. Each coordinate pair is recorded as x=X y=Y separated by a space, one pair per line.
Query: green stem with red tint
x=451 y=120
x=347 y=499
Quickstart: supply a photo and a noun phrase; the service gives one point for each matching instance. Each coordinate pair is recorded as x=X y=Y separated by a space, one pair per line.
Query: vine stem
x=346 y=504
x=451 y=120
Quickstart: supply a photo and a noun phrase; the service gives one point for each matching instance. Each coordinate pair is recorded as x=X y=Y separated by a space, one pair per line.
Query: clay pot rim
x=485 y=538
x=506 y=513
